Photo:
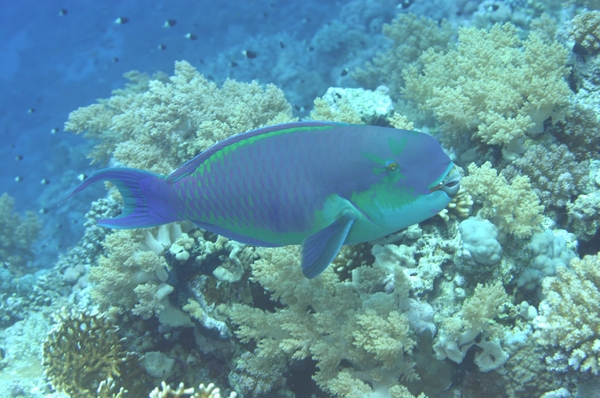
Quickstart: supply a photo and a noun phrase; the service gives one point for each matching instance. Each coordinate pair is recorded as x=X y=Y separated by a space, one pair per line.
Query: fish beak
x=450 y=184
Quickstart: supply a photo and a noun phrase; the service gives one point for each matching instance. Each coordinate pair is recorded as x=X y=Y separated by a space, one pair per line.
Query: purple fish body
x=318 y=184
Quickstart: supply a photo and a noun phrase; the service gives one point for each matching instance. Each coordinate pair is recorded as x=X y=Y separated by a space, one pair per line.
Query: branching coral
x=82 y=351
x=208 y=391
x=356 y=334
x=18 y=234
x=132 y=275
x=493 y=86
x=172 y=120
x=513 y=207
x=459 y=332
x=557 y=179
x=569 y=324
x=585 y=30
x=583 y=215
x=411 y=35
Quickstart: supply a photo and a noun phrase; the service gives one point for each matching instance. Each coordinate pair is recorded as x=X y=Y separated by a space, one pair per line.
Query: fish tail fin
x=146 y=197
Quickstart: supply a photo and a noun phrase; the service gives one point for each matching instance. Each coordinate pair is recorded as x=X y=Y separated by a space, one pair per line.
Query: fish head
x=411 y=180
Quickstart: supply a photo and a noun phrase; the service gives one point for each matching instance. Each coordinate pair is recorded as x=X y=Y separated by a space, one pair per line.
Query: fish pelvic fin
x=320 y=248
x=145 y=197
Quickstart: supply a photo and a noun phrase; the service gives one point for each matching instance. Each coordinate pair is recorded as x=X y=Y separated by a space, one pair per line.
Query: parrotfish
x=318 y=184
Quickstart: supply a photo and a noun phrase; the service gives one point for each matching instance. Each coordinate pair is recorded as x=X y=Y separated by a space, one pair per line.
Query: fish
x=317 y=184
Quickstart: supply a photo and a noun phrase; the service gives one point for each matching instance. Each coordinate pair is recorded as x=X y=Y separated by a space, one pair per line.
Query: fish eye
x=390 y=165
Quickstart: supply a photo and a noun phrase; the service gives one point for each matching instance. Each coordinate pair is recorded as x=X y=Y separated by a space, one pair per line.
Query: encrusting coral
x=493 y=86
x=569 y=325
x=159 y=124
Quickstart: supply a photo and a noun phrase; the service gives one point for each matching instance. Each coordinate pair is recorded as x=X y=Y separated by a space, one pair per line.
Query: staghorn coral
x=18 y=234
x=348 y=328
x=513 y=207
x=80 y=352
x=171 y=121
x=568 y=324
x=585 y=30
x=492 y=87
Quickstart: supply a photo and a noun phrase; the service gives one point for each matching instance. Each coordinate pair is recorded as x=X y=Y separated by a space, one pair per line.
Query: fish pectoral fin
x=320 y=248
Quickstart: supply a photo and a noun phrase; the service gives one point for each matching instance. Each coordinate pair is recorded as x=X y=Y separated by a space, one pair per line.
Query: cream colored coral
x=401 y=122
x=129 y=276
x=585 y=30
x=569 y=323
x=343 y=112
x=161 y=123
x=208 y=391
x=513 y=207
x=493 y=86
x=369 y=333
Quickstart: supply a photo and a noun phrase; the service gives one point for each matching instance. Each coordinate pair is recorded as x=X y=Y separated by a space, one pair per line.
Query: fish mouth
x=450 y=184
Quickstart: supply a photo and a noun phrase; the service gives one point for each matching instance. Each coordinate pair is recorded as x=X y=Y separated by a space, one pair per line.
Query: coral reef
x=568 y=322
x=353 y=105
x=18 y=234
x=585 y=30
x=133 y=273
x=350 y=325
x=549 y=251
x=480 y=240
x=460 y=331
x=411 y=35
x=159 y=124
x=81 y=351
x=492 y=87
x=208 y=391
x=556 y=180
x=513 y=207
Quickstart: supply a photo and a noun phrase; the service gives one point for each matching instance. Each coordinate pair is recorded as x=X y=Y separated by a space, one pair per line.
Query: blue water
x=52 y=64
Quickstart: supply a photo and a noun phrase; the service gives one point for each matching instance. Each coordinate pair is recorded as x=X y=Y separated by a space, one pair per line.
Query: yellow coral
x=401 y=122
x=486 y=304
x=344 y=114
x=411 y=35
x=493 y=86
x=82 y=351
x=513 y=207
x=569 y=323
x=585 y=30
x=339 y=327
x=129 y=276
x=158 y=124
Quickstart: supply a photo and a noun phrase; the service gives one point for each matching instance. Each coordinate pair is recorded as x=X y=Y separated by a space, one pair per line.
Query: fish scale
x=318 y=184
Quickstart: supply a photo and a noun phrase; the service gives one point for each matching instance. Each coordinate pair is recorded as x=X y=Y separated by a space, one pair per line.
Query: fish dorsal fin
x=320 y=248
x=188 y=167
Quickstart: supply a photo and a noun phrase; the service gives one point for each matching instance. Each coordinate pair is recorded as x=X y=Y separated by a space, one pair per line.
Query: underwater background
x=498 y=295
